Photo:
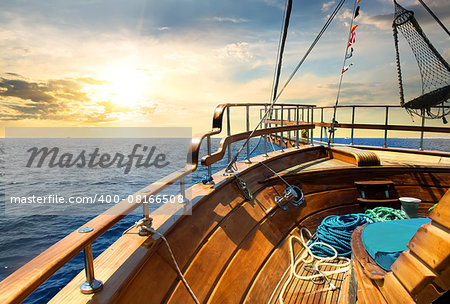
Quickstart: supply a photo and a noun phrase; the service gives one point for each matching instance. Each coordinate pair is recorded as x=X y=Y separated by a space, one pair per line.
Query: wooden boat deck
x=306 y=291
x=387 y=158
x=242 y=245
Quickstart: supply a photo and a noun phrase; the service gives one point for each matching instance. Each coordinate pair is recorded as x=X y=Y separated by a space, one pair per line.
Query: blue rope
x=207 y=180
x=337 y=231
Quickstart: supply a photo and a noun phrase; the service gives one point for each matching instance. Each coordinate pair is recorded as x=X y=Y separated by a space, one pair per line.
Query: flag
x=352 y=35
x=357 y=12
x=350 y=54
x=346 y=68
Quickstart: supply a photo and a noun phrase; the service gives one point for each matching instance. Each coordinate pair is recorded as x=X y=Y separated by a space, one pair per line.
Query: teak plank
x=393 y=291
x=443 y=281
x=412 y=272
x=369 y=266
x=367 y=292
x=210 y=260
x=428 y=294
x=432 y=245
x=235 y=279
x=441 y=213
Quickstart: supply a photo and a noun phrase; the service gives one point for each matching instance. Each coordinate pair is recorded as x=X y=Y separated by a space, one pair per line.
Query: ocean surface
x=25 y=234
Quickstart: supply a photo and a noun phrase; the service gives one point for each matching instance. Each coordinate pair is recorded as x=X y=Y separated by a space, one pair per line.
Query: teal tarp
x=385 y=241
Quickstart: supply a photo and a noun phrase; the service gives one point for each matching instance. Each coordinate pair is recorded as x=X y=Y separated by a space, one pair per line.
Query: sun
x=127 y=86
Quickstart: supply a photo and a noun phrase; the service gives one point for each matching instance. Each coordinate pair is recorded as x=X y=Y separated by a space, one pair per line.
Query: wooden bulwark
x=422 y=273
x=229 y=267
x=354 y=156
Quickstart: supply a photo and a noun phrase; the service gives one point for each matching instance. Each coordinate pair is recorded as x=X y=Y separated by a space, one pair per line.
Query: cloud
x=384 y=21
x=327 y=5
x=239 y=50
x=65 y=100
x=24 y=90
x=228 y=19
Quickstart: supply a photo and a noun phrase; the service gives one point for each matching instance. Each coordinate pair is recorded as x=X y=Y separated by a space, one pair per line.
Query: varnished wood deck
x=230 y=244
x=305 y=291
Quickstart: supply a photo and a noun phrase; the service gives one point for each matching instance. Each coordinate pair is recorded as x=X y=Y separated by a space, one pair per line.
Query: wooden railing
x=293 y=118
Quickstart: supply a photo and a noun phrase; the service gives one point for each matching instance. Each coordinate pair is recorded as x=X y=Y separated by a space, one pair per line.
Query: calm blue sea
x=23 y=237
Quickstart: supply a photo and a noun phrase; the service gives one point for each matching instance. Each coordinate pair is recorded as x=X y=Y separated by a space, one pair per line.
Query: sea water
x=24 y=237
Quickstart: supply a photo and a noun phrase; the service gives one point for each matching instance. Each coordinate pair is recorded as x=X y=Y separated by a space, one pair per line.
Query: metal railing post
x=321 y=127
x=385 y=127
x=289 y=120
x=91 y=285
x=353 y=122
x=281 y=133
x=208 y=144
x=296 y=134
x=228 y=133
x=312 y=121
x=183 y=192
x=421 y=132
x=265 y=137
x=247 y=119
x=307 y=120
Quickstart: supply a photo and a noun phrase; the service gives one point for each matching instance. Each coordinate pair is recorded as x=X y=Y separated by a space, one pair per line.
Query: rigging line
x=324 y=28
x=269 y=110
x=283 y=25
x=282 y=46
x=191 y=292
x=435 y=17
x=276 y=174
x=342 y=74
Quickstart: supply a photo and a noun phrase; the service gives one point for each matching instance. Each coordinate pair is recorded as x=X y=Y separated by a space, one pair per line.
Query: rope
x=434 y=69
x=176 y=264
x=383 y=214
x=336 y=231
x=282 y=43
x=207 y=180
x=435 y=17
x=342 y=75
x=324 y=28
x=255 y=147
x=275 y=98
x=145 y=224
x=312 y=262
x=278 y=175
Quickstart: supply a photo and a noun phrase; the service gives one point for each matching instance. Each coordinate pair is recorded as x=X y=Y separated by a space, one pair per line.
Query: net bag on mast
x=434 y=70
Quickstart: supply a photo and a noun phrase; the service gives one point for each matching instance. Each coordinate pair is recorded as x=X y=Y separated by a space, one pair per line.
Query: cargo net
x=434 y=70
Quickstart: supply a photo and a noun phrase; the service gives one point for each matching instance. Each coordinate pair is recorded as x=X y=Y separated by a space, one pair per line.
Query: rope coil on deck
x=336 y=231
x=312 y=263
x=382 y=214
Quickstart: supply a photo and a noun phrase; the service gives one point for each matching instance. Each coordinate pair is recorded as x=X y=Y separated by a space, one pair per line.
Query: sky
x=169 y=63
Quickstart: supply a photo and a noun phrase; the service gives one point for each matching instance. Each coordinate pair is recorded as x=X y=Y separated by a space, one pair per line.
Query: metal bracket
x=293 y=195
x=144 y=226
x=242 y=186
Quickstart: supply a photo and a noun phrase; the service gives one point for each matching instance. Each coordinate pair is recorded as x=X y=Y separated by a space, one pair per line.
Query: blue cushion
x=385 y=241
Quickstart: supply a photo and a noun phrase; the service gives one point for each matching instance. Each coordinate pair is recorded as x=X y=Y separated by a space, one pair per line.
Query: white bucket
x=410 y=205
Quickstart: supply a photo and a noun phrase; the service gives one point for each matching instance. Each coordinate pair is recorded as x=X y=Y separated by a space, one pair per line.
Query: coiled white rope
x=312 y=262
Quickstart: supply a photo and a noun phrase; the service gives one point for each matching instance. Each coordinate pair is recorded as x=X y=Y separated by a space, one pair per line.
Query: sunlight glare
x=127 y=86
